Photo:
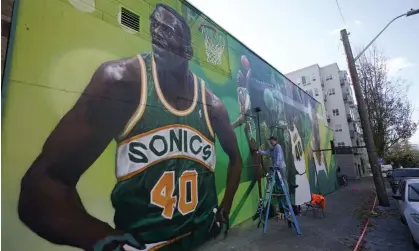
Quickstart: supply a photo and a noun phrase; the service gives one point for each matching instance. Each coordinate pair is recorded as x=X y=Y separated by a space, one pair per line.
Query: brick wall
x=6 y=14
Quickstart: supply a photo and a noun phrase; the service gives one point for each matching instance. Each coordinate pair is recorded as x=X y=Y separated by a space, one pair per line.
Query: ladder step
x=278 y=195
x=278 y=188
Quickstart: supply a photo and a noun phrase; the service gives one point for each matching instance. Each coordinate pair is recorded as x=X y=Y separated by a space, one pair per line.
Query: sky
x=294 y=34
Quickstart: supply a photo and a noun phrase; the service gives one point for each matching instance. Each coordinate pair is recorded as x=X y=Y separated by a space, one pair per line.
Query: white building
x=311 y=81
x=331 y=87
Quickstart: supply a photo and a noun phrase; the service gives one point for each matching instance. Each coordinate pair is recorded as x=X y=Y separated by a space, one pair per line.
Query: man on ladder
x=278 y=165
x=277 y=156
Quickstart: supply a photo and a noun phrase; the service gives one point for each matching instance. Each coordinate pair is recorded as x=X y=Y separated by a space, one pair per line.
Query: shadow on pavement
x=337 y=231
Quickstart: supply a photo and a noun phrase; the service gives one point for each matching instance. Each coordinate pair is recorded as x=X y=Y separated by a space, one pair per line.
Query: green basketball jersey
x=165 y=163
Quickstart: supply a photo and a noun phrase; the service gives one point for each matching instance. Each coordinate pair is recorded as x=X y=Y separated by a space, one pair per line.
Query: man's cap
x=273 y=138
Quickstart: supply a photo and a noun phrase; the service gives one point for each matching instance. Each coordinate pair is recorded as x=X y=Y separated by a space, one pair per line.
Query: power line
x=338 y=48
x=340 y=12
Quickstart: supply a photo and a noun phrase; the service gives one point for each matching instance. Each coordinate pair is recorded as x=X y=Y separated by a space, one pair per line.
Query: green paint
x=56 y=50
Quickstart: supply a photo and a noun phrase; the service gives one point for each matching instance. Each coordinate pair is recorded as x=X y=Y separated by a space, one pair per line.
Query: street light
x=365 y=121
x=407 y=14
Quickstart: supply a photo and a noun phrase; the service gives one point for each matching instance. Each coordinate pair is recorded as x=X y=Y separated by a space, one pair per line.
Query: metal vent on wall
x=129 y=19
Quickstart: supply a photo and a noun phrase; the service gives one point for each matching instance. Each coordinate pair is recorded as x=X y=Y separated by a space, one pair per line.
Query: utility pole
x=365 y=122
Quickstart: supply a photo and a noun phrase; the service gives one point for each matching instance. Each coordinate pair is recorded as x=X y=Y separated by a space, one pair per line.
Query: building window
x=316 y=91
x=329 y=77
x=335 y=112
x=338 y=128
x=310 y=92
x=332 y=91
x=313 y=78
x=341 y=143
x=303 y=80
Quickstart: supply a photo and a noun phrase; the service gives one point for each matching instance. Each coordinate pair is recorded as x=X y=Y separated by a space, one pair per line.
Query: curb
x=365 y=227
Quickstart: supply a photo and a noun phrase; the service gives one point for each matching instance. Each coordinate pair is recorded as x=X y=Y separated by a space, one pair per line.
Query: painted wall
x=115 y=121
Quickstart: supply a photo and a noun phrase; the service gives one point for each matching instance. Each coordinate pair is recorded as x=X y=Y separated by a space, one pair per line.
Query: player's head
x=273 y=140
x=316 y=132
x=170 y=32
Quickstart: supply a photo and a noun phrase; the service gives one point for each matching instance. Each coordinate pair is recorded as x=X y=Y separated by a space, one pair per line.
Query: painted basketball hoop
x=214 y=43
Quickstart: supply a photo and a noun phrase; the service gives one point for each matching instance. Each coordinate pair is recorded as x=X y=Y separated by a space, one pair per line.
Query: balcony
x=349 y=118
x=345 y=97
x=351 y=134
x=342 y=82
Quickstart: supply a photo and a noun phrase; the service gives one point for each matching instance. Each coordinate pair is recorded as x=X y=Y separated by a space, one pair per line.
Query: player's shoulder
x=119 y=69
x=212 y=99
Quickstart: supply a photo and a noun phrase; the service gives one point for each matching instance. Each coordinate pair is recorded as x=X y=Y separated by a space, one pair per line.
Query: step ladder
x=275 y=182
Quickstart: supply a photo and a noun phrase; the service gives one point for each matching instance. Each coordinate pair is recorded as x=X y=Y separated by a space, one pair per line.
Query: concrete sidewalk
x=338 y=230
x=386 y=231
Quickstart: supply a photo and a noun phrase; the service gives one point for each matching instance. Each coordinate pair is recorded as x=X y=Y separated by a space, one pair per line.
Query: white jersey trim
x=137 y=153
x=142 y=103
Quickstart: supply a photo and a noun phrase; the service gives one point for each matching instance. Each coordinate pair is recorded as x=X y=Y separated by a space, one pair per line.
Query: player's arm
x=262 y=152
x=239 y=121
x=242 y=105
x=242 y=81
x=228 y=141
x=49 y=203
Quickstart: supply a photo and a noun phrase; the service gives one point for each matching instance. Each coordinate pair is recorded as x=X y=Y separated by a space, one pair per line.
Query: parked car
x=402 y=173
x=385 y=169
x=408 y=204
x=389 y=175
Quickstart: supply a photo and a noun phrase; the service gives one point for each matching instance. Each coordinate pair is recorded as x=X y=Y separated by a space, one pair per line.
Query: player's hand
x=242 y=79
x=124 y=242
x=242 y=96
x=220 y=221
x=295 y=120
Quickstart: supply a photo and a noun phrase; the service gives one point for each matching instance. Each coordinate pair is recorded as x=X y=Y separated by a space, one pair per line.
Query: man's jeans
x=282 y=171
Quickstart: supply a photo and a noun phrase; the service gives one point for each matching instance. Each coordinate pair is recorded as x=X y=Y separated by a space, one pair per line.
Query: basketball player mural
x=272 y=99
x=164 y=121
x=302 y=192
x=296 y=174
x=318 y=156
x=245 y=117
x=273 y=119
x=243 y=97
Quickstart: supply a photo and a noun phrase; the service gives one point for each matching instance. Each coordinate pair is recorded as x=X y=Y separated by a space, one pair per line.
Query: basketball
x=245 y=62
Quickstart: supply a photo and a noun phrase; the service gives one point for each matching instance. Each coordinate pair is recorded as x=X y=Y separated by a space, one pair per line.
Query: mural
x=130 y=125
